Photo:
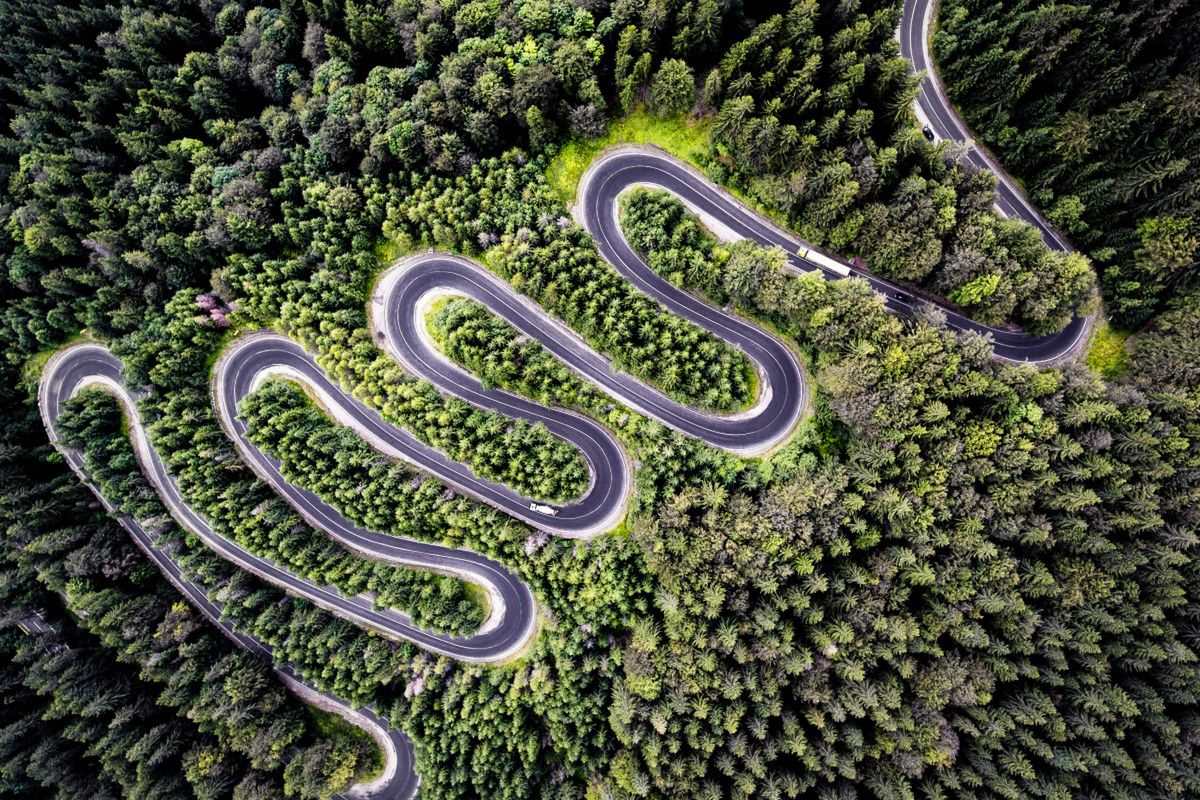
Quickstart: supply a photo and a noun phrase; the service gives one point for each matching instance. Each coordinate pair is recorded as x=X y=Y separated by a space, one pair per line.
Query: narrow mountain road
x=80 y=366
x=935 y=110
x=398 y=306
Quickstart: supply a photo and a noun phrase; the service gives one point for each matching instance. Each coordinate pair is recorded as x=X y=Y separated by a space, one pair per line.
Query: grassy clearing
x=31 y=371
x=389 y=249
x=686 y=138
x=1107 y=355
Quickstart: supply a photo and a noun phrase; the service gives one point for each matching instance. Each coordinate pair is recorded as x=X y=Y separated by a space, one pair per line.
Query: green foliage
x=674 y=243
x=321 y=770
x=430 y=599
x=813 y=121
x=471 y=336
x=959 y=580
x=149 y=698
x=1165 y=364
x=505 y=206
x=673 y=88
x=563 y=683
x=677 y=246
x=683 y=137
x=489 y=347
x=975 y=292
x=1108 y=355
x=901 y=592
x=822 y=593
x=1095 y=107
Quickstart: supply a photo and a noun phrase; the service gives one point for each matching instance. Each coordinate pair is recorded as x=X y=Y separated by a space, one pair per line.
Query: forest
x=957 y=578
x=1097 y=109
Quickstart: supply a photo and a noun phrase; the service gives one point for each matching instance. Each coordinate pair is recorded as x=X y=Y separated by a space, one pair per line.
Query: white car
x=541 y=508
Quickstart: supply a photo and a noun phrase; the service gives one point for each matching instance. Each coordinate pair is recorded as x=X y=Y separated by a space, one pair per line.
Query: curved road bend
x=513 y=618
x=398 y=307
x=73 y=369
x=625 y=168
x=251 y=359
x=935 y=109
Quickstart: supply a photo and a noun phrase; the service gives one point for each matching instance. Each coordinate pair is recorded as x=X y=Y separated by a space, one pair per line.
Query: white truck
x=823 y=261
x=542 y=508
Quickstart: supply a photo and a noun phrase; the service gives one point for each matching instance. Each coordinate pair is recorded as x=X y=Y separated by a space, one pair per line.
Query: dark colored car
x=929 y=134
x=902 y=296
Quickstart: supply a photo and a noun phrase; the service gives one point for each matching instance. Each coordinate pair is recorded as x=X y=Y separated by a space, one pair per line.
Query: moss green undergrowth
x=684 y=137
x=1107 y=355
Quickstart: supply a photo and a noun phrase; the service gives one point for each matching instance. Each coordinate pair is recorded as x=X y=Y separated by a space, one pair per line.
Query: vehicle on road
x=929 y=134
x=542 y=508
x=903 y=297
x=823 y=261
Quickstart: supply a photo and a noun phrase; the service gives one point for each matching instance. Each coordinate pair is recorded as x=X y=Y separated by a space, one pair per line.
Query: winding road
x=614 y=173
x=398 y=306
x=935 y=110
x=81 y=366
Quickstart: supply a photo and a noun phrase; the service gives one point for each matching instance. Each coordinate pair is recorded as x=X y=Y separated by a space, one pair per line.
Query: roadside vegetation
x=133 y=692
x=504 y=210
x=272 y=529
x=919 y=511
x=1097 y=109
x=682 y=135
x=1108 y=354
x=959 y=579
x=488 y=347
x=678 y=247
x=804 y=124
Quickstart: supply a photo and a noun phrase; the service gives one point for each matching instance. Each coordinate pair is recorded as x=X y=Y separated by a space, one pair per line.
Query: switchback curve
x=401 y=325
x=935 y=110
x=512 y=620
x=398 y=307
x=78 y=367
x=623 y=168
x=782 y=395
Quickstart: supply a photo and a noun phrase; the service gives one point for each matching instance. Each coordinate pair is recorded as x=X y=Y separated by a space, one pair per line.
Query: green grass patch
x=479 y=596
x=686 y=138
x=239 y=327
x=623 y=530
x=388 y=249
x=31 y=371
x=1107 y=355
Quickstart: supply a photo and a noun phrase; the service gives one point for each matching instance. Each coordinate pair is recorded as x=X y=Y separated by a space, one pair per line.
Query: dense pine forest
x=957 y=578
x=1097 y=108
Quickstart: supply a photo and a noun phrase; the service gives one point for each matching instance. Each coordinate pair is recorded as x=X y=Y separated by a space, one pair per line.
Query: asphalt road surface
x=398 y=305
x=512 y=620
x=938 y=112
x=403 y=292
x=935 y=110
x=74 y=368
x=253 y=358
